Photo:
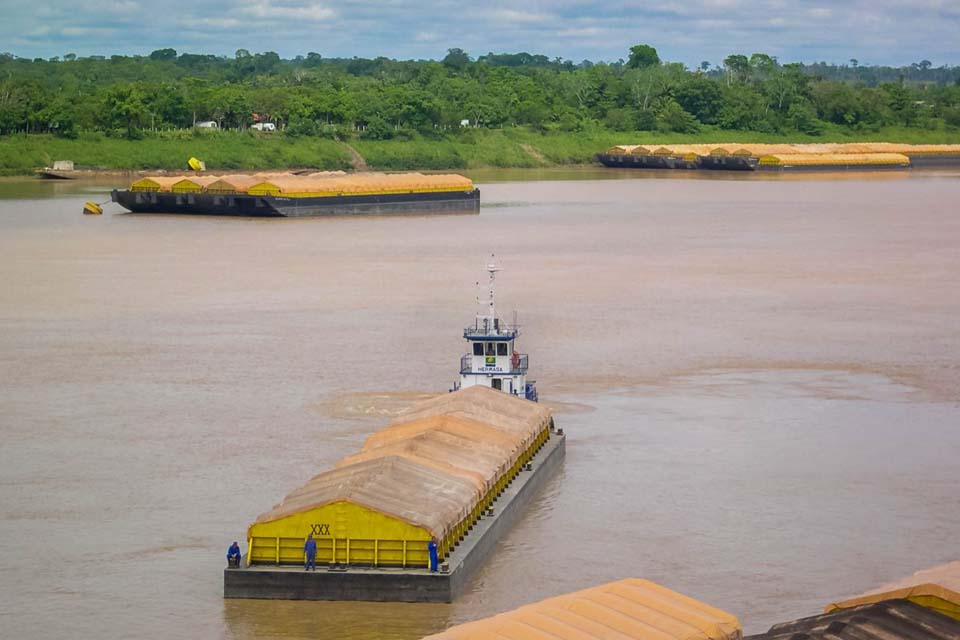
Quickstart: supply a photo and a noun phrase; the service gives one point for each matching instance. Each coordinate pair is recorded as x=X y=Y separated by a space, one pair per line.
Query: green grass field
x=22 y=154
x=466 y=149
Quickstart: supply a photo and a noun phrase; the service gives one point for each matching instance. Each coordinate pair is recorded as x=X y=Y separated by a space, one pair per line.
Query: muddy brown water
x=758 y=376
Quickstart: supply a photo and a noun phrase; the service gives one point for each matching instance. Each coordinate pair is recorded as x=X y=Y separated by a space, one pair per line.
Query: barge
x=630 y=609
x=413 y=514
x=275 y=206
x=781 y=157
x=294 y=196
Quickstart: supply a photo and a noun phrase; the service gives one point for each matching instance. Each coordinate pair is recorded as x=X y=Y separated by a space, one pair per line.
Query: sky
x=893 y=32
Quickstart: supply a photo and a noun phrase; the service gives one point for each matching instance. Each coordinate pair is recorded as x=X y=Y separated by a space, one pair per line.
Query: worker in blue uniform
x=434 y=560
x=233 y=555
x=310 y=551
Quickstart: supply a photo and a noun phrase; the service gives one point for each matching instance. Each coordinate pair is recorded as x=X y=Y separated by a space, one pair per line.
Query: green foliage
x=124 y=106
x=803 y=118
x=162 y=54
x=377 y=129
x=701 y=97
x=620 y=119
x=300 y=127
x=838 y=103
x=743 y=109
x=737 y=66
x=646 y=120
x=410 y=112
x=457 y=59
x=951 y=116
x=643 y=56
x=672 y=117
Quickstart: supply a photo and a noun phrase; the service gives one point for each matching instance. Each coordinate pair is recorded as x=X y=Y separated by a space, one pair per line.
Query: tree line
x=381 y=98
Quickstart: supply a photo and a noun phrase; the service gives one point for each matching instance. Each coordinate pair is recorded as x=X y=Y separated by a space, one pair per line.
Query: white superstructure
x=493 y=359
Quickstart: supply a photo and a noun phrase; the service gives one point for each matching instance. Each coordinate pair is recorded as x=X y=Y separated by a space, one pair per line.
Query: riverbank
x=466 y=149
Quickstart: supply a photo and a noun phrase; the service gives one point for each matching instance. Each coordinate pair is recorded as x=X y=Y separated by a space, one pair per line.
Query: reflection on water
x=757 y=376
x=605 y=173
x=357 y=620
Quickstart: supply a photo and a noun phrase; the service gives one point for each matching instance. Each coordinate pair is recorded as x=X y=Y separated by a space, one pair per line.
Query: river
x=758 y=377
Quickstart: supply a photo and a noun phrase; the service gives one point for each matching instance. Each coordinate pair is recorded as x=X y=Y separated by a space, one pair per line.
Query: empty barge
x=289 y=195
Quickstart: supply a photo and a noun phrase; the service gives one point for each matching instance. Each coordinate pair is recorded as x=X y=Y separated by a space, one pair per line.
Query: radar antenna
x=492 y=268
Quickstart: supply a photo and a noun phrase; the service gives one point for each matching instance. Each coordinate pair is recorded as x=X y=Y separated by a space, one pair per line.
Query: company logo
x=320 y=529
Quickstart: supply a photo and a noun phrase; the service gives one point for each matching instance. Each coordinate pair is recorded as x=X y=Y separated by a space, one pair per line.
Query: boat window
x=490 y=349
x=502 y=349
x=478 y=348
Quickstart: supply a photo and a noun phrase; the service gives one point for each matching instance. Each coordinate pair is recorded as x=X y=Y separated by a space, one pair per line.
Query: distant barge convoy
x=290 y=195
x=781 y=157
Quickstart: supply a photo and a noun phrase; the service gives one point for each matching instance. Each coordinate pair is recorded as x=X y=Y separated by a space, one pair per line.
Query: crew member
x=434 y=560
x=233 y=555
x=310 y=551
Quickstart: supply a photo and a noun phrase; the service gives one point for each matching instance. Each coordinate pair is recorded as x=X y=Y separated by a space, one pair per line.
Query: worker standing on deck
x=434 y=560
x=233 y=555
x=310 y=550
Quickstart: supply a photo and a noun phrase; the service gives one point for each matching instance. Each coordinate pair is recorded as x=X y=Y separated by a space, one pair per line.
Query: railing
x=519 y=364
x=501 y=330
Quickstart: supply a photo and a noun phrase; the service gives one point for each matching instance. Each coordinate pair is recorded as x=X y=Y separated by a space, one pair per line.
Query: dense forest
x=378 y=99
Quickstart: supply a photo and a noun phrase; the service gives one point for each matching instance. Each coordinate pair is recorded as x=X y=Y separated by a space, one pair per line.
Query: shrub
x=377 y=129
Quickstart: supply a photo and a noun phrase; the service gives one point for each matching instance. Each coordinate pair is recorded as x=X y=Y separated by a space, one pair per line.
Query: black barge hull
x=645 y=161
x=624 y=161
x=280 y=207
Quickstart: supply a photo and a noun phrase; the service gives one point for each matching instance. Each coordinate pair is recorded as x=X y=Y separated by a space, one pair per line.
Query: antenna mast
x=492 y=268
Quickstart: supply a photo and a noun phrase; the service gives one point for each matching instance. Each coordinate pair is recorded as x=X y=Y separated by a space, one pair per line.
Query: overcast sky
x=892 y=32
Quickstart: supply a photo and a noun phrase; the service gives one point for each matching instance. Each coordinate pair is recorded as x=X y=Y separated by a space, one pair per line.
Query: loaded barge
x=781 y=157
x=413 y=514
x=289 y=195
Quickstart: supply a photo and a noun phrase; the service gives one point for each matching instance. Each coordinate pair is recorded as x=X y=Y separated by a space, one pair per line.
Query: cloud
x=873 y=31
x=516 y=15
x=210 y=23
x=85 y=31
x=582 y=32
x=270 y=11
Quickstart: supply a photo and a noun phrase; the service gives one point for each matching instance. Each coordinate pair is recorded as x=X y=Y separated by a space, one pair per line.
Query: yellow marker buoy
x=196 y=165
x=92 y=209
